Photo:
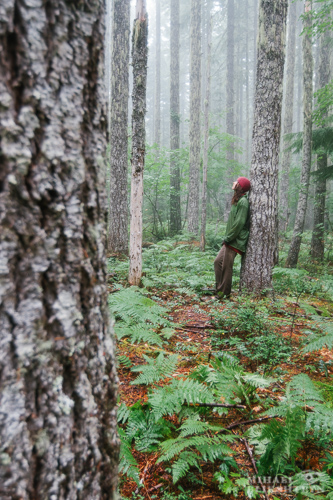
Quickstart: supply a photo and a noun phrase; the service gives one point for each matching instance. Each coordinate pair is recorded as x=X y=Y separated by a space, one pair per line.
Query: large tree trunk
x=307 y=141
x=288 y=117
x=118 y=213
x=318 y=234
x=139 y=61
x=175 y=210
x=157 y=107
x=195 y=83
x=206 y=134
x=57 y=369
x=262 y=247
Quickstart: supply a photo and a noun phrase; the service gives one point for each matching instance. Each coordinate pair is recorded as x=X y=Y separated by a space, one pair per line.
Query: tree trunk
x=288 y=117
x=195 y=83
x=175 y=210
x=157 y=138
x=230 y=113
x=307 y=141
x=206 y=135
x=118 y=213
x=57 y=367
x=262 y=247
x=139 y=61
x=318 y=235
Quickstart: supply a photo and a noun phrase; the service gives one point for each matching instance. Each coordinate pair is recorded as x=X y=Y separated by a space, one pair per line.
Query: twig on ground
x=219 y=405
x=246 y=422
x=248 y=449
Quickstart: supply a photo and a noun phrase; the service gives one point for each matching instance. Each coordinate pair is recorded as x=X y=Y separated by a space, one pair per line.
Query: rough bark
x=195 y=84
x=139 y=61
x=288 y=117
x=307 y=142
x=57 y=370
x=118 y=212
x=230 y=100
x=206 y=135
x=175 y=207
x=157 y=120
x=262 y=247
x=318 y=234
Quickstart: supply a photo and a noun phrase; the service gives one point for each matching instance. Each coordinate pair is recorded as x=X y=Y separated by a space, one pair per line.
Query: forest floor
x=266 y=337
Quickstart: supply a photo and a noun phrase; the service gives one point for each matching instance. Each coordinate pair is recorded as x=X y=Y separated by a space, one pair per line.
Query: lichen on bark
x=57 y=370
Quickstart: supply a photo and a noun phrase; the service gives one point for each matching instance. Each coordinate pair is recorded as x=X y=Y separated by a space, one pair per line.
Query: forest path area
x=247 y=376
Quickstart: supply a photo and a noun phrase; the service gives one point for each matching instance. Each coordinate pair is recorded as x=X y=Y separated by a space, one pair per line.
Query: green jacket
x=237 y=232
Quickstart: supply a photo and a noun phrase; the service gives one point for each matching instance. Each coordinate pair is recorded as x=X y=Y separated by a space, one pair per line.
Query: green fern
x=155 y=369
x=321 y=341
x=125 y=361
x=170 y=399
x=128 y=465
x=139 y=334
x=230 y=381
x=197 y=441
x=314 y=485
x=138 y=317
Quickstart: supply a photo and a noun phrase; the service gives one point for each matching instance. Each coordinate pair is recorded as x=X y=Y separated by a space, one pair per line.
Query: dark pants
x=223 y=265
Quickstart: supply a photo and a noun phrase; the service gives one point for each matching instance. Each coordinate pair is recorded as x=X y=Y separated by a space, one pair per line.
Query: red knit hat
x=244 y=183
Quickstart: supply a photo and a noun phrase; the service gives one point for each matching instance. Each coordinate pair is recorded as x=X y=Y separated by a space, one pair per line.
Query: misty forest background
x=233 y=77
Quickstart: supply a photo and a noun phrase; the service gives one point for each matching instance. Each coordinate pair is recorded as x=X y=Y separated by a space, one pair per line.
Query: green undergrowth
x=263 y=362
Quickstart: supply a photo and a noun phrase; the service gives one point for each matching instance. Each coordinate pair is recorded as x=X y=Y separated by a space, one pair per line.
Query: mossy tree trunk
x=139 y=61
x=261 y=252
x=57 y=367
x=118 y=213
x=295 y=245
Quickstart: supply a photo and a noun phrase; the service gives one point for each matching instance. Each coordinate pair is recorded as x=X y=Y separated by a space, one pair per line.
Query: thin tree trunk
x=118 y=212
x=58 y=380
x=139 y=61
x=157 y=120
x=230 y=104
x=288 y=117
x=262 y=247
x=206 y=135
x=175 y=210
x=195 y=142
x=318 y=235
x=307 y=141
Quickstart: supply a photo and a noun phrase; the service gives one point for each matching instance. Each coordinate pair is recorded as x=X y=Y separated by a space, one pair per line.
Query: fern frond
x=169 y=399
x=128 y=465
x=123 y=413
x=321 y=341
x=155 y=369
x=303 y=391
x=180 y=467
x=320 y=420
x=125 y=361
x=139 y=334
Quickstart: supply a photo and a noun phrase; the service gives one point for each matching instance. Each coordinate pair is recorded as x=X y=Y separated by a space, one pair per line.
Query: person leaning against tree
x=235 y=240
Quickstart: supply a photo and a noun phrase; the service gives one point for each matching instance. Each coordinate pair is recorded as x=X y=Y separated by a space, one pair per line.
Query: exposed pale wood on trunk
x=139 y=61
